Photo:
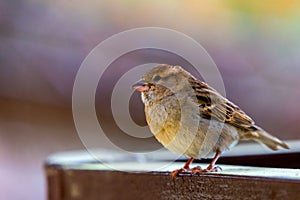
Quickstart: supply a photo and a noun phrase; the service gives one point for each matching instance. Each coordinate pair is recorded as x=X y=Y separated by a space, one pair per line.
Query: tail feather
x=269 y=140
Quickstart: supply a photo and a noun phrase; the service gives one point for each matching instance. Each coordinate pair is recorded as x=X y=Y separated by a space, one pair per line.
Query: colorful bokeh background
x=255 y=44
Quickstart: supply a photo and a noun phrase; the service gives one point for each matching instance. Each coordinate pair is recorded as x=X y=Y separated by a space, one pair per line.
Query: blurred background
x=255 y=44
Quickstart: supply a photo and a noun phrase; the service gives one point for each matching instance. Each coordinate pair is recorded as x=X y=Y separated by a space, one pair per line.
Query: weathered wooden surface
x=80 y=180
x=91 y=184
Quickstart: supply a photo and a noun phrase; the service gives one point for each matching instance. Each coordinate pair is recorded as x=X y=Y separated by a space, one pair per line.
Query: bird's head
x=162 y=77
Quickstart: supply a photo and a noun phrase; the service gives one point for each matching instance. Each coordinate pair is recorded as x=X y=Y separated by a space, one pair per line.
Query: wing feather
x=213 y=105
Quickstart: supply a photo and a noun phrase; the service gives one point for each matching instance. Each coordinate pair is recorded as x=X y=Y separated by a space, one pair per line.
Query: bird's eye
x=156 y=78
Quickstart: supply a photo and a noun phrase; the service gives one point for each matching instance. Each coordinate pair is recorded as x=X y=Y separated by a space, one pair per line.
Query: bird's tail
x=269 y=140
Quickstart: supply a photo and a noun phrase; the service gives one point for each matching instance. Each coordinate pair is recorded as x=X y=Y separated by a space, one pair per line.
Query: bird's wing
x=213 y=105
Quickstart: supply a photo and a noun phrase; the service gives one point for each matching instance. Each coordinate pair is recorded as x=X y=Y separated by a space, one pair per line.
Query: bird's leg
x=185 y=168
x=211 y=167
x=187 y=164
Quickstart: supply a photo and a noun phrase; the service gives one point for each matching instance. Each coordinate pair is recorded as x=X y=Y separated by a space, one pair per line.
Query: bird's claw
x=176 y=172
x=196 y=170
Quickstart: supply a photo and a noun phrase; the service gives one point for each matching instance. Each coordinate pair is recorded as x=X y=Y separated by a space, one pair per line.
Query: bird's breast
x=181 y=130
x=163 y=119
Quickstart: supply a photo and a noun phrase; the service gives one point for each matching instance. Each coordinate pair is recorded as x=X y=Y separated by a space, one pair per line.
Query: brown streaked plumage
x=189 y=117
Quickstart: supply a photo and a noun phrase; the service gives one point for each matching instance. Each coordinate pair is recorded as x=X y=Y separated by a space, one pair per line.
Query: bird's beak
x=140 y=86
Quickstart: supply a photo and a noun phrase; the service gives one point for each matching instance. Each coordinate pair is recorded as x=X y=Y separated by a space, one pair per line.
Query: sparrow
x=189 y=117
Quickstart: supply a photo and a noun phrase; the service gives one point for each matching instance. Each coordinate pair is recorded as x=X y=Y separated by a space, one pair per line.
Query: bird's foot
x=194 y=170
x=197 y=170
x=176 y=172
